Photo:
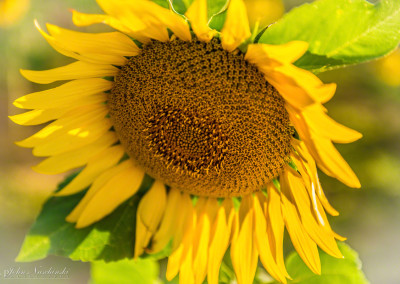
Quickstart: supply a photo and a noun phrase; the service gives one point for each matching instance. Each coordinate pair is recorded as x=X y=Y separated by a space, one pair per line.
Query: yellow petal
x=276 y=226
x=202 y=239
x=113 y=43
x=112 y=194
x=263 y=245
x=98 y=184
x=184 y=233
x=323 y=125
x=76 y=70
x=82 y=20
x=322 y=235
x=174 y=263
x=283 y=53
x=307 y=167
x=171 y=217
x=331 y=159
x=98 y=58
x=304 y=171
x=288 y=88
x=129 y=18
x=340 y=238
x=220 y=235
x=244 y=253
x=321 y=195
x=148 y=216
x=257 y=55
x=76 y=158
x=327 y=157
x=73 y=93
x=65 y=135
x=297 y=86
x=308 y=82
x=186 y=274
x=182 y=237
x=304 y=245
x=38 y=116
x=96 y=166
x=147 y=19
x=74 y=118
x=73 y=139
x=57 y=46
x=197 y=15
x=91 y=57
x=236 y=28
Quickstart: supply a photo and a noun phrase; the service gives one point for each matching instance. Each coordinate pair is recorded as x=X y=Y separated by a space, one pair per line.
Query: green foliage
x=334 y=270
x=340 y=32
x=110 y=239
x=143 y=271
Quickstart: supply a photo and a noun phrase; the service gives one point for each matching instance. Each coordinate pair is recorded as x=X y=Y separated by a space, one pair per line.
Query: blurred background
x=367 y=99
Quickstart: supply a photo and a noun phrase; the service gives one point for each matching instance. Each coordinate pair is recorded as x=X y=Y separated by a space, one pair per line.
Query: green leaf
x=143 y=271
x=110 y=239
x=334 y=270
x=340 y=32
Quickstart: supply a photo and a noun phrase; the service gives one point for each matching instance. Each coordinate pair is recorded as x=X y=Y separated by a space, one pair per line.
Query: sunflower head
x=199 y=118
x=209 y=115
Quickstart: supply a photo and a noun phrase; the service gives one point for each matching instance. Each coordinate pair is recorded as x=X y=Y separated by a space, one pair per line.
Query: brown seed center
x=189 y=142
x=200 y=119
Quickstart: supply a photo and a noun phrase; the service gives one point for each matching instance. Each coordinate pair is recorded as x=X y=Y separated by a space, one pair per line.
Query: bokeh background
x=367 y=99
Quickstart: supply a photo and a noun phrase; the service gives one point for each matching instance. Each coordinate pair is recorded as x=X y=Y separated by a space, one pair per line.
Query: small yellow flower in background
x=387 y=69
x=264 y=12
x=236 y=137
x=12 y=10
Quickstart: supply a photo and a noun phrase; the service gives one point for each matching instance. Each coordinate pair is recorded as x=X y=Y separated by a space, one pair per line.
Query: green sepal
x=180 y=6
x=110 y=239
x=217 y=10
x=340 y=32
x=162 y=3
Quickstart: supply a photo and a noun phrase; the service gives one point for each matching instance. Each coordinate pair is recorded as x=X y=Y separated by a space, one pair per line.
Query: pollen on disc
x=200 y=119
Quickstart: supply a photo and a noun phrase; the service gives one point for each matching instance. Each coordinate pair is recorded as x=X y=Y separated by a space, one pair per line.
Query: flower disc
x=200 y=119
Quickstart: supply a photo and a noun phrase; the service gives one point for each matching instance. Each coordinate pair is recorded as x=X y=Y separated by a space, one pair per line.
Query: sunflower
x=230 y=130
